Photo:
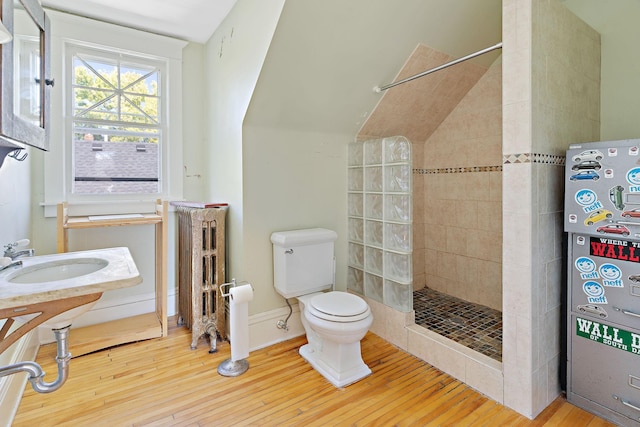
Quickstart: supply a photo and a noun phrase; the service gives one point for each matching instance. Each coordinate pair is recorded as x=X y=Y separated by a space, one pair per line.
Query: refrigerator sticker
x=595 y=293
x=588 y=200
x=621 y=250
x=633 y=178
x=612 y=152
x=633 y=151
x=611 y=275
x=587 y=268
x=608 y=335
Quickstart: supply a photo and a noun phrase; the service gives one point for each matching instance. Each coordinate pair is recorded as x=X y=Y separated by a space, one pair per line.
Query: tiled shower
x=455 y=129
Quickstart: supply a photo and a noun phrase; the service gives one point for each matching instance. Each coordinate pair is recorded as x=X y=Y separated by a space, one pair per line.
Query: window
x=117 y=123
x=81 y=42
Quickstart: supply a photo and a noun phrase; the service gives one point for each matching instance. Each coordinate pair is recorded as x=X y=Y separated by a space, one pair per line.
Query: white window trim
x=57 y=162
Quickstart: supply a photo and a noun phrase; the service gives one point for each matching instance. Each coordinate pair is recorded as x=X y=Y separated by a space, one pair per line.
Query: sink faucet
x=10 y=252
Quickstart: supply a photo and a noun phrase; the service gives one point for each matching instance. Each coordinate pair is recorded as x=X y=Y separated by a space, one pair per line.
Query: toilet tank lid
x=303 y=237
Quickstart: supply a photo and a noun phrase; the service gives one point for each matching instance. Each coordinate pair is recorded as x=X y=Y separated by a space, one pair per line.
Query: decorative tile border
x=548 y=159
x=458 y=170
x=507 y=159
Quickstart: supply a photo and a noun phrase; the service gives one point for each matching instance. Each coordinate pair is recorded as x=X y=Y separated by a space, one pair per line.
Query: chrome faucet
x=10 y=252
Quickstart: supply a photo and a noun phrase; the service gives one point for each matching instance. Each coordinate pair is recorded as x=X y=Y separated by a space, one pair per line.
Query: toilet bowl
x=335 y=322
x=304 y=267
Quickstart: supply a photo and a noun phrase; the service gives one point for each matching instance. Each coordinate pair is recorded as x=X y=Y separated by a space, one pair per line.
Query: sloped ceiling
x=326 y=57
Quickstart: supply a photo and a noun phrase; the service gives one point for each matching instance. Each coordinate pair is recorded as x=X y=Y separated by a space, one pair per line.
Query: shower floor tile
x=473 y=325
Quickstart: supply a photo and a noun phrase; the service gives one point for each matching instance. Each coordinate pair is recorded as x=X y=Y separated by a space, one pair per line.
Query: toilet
x=334 y=321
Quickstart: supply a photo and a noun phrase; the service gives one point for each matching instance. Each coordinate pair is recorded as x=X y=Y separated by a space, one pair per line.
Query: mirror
x=26 y=74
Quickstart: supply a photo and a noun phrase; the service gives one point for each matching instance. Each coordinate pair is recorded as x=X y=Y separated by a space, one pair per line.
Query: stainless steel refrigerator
x=602 y=219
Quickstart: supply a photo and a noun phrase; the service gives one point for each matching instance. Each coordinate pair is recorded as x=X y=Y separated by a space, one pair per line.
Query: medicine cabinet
x=26 y=75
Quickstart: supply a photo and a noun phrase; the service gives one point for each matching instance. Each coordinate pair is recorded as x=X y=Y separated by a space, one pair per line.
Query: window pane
x=116 y=126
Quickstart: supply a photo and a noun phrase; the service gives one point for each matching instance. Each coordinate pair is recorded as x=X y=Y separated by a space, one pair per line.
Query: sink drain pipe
x=36 y=374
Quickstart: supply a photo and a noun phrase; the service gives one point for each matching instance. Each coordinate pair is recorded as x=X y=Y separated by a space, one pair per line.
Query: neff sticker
x=594 y=292
x=588 y=200
x=611 y=275
x=587 y=268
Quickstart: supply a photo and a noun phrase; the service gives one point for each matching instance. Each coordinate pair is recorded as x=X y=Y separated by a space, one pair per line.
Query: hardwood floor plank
x=161 y=382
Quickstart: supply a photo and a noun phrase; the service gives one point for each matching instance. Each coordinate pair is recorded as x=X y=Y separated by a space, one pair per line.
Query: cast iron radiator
x=201 y=271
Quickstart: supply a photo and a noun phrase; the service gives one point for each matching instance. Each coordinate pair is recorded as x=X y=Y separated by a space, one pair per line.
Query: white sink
x=57 y=270
x=49 y=278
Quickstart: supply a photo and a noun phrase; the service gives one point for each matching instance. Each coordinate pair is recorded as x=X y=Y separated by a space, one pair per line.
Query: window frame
x=75 y=30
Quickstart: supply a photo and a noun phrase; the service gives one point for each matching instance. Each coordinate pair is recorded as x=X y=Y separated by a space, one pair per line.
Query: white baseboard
x=12 y=386
x=263 y=329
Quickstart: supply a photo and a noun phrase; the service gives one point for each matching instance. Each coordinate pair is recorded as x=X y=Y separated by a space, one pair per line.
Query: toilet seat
x=339 y=307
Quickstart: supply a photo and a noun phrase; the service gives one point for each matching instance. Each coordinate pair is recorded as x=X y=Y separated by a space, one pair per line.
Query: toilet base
x=339 y=375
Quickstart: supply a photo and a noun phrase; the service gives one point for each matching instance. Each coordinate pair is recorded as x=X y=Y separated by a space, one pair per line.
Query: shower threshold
x=473 y=325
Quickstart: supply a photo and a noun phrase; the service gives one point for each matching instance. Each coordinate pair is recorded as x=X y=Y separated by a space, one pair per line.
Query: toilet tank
x=303 y=261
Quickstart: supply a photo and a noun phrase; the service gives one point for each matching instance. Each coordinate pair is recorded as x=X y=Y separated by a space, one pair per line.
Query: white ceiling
x=192 y=20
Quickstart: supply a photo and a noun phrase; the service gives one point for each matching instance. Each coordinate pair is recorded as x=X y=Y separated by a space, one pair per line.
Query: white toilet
x=335 y=322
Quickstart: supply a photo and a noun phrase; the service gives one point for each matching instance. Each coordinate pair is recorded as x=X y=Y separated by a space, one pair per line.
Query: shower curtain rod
x=379 y=89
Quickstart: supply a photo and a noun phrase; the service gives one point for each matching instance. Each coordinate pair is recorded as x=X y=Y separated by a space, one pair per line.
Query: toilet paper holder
x=232 y=284
x=238 y=363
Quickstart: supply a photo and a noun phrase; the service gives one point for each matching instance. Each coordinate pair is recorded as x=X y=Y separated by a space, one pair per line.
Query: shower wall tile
x=479 y=371
x=462 y=190
x=516 y=126
x=488 y=272
x=447 y=266
x=468 y=273
x=520 y=89
x=495 y=186
x=427 y=345
x=488 y=379
x=430 y=267
x=435 y=237
x=401 y=111
x=457 y=240
x=517 y=239
x=476 y=186
x=485 y=245
x=466 y=213
x=517 y=290
x=390 y=324
x=517 y=181
x=554 y=272
x=490 y=216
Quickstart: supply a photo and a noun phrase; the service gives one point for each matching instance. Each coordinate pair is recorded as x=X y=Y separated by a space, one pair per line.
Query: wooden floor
x=161 y=382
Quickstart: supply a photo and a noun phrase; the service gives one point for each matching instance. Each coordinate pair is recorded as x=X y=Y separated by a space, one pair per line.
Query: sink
x=57 y=270
x=50 y=278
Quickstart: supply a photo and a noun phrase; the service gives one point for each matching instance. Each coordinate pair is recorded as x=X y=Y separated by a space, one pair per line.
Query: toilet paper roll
x=240 y=294
x=239 y=320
